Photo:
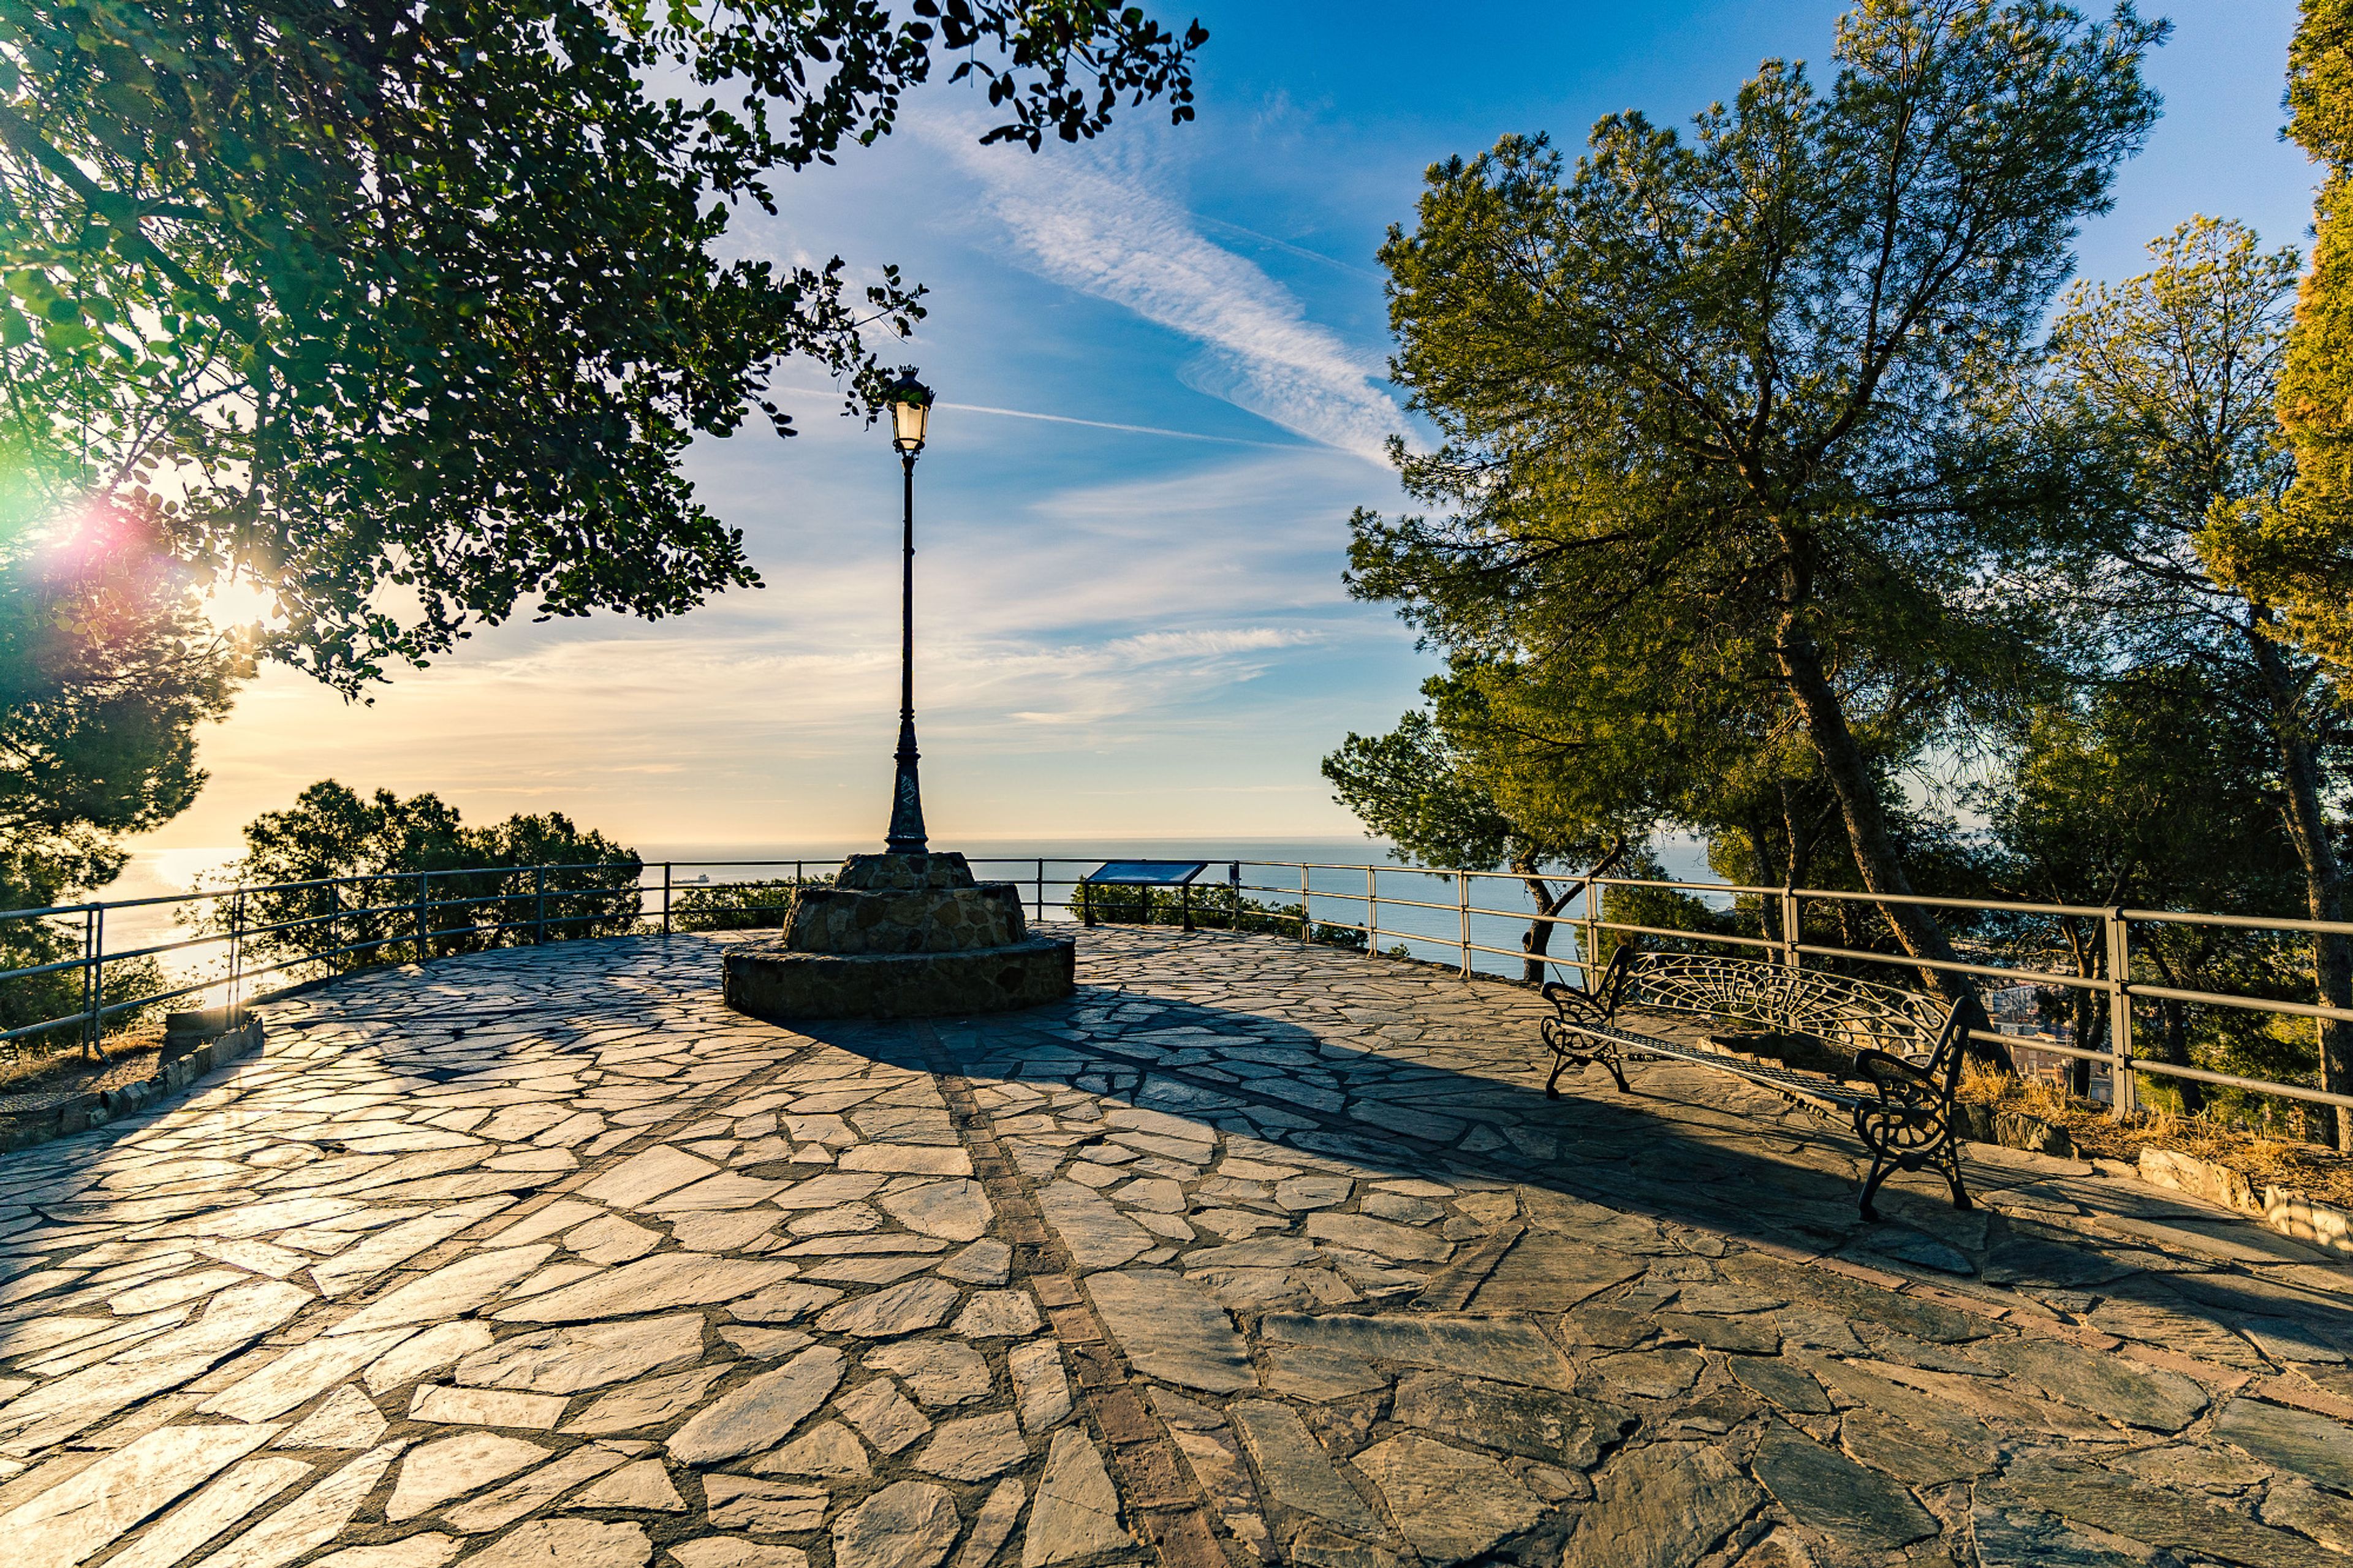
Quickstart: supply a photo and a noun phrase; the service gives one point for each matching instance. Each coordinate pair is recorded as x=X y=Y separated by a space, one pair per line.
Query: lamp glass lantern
x=911 y=411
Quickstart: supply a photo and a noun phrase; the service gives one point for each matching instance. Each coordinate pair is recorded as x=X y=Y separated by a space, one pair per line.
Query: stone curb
x=80 y=1112
x=2291 y=1214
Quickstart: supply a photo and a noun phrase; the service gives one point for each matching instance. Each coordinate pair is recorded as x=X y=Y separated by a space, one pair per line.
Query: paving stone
x=430 y=1549
x=883 y=1415
x=1172 y=1330
x=1096 y=1235
x=2023 y=1537
x=1076 y=1515
x=734 y=1552
x=651 y=1402
x=993 y=1525
x=984 y=1262
x=302 y=1373
x=937 y=1371
x=775 y=1508
x=1653 y=1374
x=345 y=1419
x=997 y=1314
x=423 y=1354
x=1503 y=1349
x=2296 y=1441
x=449 y=1467
x=1315 y=1375
x=450 y=1291
x=1557 y=1428
x=570 y=1360
x=486 y=1407
x=1293 y=1468
x=656 y=1284
x=75 y=1520
x=2308 y=1510
x=1041 y=1390
x=313 y=1518
x=1823 y=1488
x=1300 y=1193
x=783 y=1303
x=1451 y=1505
x=905 y=1308
x=908 y=1524
x=1886 y=1444
x=2105 y=1386
x=975 y=1448
x=645 y=1486
x=234 y=1495
x=952 y=1210
x=568 y=1543
x=641 y=1178
x=1665 y=1505
x=536 y=1490
x=1378 y=1235
x=760 y=1413
x=612 y=1240
x=827 y=1449
x=2087 y=1495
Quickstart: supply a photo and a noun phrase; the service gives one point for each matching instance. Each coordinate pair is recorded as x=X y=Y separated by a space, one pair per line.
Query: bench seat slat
x=1822 y=1093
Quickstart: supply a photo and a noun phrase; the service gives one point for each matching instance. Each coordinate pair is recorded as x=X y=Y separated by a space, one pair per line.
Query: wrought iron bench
x=1889 y=1058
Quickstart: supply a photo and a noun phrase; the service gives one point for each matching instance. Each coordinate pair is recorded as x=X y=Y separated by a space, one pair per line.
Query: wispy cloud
x=1092 y=225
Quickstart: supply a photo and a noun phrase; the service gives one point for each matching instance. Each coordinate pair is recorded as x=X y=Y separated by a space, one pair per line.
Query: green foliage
x=107 y=665
x=2293 y=552
x=1215 y=907
x=344 y=298
x=368 y=851
x=1714 y=476
x=735 y=906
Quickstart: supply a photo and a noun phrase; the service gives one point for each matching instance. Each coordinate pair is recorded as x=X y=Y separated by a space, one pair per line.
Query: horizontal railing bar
x=1684 y=935
x=1926 y=901
x=1904 y=961
x=2251 y=1004
x=2244 y=922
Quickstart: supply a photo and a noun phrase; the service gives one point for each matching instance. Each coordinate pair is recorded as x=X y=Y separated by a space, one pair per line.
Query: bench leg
x=1881 y=1169
x=1952 y=1169
x=1558 y=1037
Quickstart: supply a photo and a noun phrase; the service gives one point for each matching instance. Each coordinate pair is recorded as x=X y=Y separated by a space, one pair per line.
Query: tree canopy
x=1711 y=460
x=406 y=312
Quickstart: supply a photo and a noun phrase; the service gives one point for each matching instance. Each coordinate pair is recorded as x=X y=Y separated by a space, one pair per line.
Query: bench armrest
x=1899 y=1082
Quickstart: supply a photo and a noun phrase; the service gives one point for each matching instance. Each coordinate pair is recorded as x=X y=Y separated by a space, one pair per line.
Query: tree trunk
x=1858 y=795
x=2324 y=876
x=2083 y=1006
x=2173 y=1038
x=1537 y=941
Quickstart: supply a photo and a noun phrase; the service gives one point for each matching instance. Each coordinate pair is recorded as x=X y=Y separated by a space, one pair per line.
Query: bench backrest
x=1845 y=1013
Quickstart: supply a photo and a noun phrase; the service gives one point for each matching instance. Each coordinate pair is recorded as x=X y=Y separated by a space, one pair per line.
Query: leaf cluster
x=406 y=311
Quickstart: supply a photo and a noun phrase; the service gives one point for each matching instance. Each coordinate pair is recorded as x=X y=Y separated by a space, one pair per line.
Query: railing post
x=1462 y=908
x=90 y=966
x=539 y=904
x=1792 y=930
x=1592 y=932
x=236 y=958
x=335 y=963
x=665 y=897
x=1306 y=912
x=424 y=917
x=1372 y=911
x=1234 y=891
x=1042 y=888
x=2121 y=1088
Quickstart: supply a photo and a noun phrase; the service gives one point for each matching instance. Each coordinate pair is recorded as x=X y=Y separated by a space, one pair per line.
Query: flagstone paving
x=1250 y=1253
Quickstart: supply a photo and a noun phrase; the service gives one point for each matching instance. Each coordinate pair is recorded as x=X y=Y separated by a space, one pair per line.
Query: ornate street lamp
x=910 y=401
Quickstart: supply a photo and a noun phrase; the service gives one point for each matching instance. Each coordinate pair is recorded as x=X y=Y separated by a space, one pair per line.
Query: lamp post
x=911 y=408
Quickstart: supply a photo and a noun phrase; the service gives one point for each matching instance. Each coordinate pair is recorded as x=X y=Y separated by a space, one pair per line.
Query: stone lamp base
x=900 y=936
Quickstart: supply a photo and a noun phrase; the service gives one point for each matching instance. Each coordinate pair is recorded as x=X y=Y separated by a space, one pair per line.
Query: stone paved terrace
x=544 y=1259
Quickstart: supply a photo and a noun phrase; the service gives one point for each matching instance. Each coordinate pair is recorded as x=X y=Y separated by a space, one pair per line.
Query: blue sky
x=1122 y=632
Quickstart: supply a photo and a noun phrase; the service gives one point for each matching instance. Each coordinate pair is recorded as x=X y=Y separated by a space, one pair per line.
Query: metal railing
x=233 y=937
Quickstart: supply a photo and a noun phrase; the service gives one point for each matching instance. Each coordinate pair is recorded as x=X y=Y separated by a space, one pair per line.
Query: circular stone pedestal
x=900 y=936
